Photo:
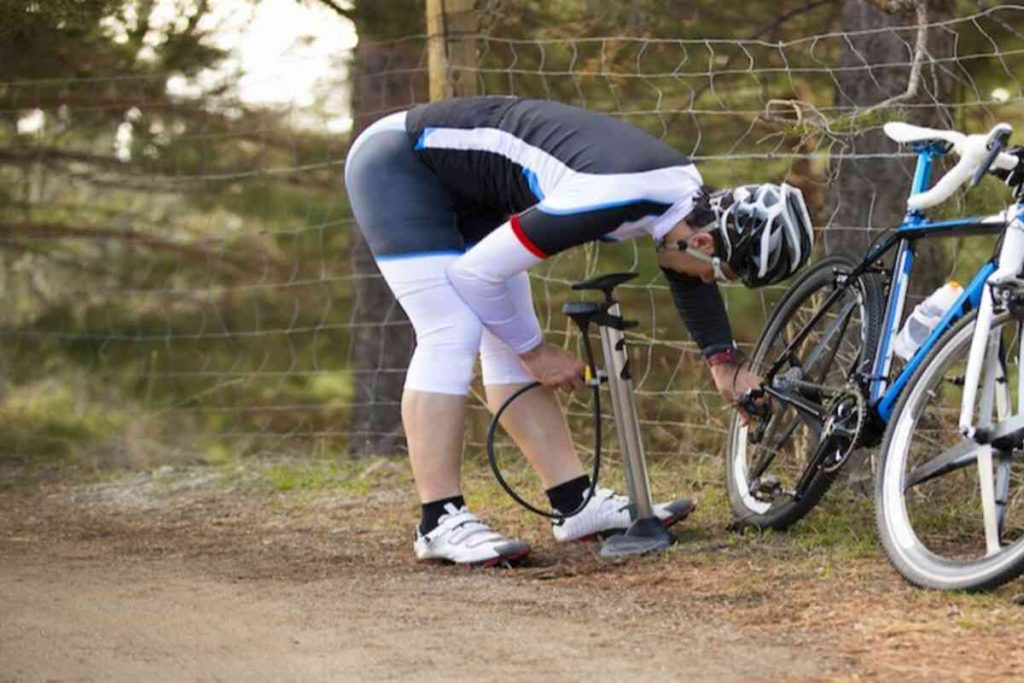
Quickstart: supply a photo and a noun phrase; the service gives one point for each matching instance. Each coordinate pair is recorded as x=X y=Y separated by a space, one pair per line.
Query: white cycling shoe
x=463 y=539
x=607 y=514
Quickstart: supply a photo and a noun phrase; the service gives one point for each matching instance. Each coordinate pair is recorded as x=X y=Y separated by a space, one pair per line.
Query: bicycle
x=827 y=364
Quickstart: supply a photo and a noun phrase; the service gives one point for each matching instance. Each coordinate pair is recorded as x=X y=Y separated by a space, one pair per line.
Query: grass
x=842 y=527
x=47 y=423
x=322 y=475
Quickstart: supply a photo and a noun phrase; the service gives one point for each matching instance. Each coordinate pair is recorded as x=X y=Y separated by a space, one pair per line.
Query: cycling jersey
x=566 y=176
x=481 y=189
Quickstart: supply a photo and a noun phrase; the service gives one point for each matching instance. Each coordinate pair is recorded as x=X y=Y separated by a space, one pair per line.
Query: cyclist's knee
x=446 y=349
x=500 y=364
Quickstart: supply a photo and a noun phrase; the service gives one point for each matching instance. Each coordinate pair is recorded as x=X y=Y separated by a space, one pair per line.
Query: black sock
x=567 y=496
x=431 y=512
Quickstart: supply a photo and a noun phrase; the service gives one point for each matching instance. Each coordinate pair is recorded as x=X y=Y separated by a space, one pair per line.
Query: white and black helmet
x=762 y=231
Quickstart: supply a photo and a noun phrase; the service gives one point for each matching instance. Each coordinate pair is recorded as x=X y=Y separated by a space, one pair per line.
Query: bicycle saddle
x=905 y=133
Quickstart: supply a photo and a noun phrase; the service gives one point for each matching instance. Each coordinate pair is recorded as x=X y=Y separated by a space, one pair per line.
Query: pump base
x=643 y=536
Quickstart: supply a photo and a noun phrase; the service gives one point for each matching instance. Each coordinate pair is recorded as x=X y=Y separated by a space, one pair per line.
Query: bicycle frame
x=881 y=392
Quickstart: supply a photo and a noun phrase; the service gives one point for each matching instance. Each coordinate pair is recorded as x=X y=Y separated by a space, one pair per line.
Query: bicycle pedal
x=766 y=489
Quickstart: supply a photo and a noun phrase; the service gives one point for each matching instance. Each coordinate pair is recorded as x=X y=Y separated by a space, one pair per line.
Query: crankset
x=843 y=429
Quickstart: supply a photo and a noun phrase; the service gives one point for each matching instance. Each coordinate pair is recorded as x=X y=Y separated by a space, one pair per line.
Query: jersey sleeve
x=702 y=310
x=591 y=206
x=481 y=277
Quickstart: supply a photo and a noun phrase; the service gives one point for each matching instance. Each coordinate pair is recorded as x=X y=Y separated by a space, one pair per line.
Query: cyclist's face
x=687 y=264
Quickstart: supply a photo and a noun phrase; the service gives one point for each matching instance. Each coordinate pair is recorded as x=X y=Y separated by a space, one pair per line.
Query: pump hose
x=595 y=385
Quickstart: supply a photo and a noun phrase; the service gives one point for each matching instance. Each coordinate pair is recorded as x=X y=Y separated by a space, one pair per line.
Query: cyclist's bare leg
x=536 y=423
x=434 y=427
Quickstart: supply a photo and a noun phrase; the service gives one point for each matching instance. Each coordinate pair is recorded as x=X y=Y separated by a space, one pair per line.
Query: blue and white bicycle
x=949 y=490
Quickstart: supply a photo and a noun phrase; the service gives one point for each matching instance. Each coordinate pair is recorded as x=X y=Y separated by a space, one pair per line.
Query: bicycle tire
x=870 y=288
x=911 y=557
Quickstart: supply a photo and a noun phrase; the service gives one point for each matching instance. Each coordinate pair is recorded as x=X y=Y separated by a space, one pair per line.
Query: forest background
x=182 y=279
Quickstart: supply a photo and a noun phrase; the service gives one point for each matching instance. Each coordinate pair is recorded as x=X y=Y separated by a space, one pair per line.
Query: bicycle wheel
x=768 y=482
x=931 y=509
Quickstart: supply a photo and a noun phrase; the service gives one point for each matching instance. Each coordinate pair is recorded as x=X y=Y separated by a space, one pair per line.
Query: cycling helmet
x=762 y=231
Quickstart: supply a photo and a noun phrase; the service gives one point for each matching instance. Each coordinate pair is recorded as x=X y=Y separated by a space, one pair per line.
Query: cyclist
x=458 y=198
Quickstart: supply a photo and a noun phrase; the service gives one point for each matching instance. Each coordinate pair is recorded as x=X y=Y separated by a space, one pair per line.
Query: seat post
x=927 y=152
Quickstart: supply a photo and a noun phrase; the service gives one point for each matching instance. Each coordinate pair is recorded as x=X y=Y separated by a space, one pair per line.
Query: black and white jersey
x=564 y=175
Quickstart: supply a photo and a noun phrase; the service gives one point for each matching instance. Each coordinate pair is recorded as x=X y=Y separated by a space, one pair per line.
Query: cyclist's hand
x=554 y=367
x=732 y=382
x=1013 y=178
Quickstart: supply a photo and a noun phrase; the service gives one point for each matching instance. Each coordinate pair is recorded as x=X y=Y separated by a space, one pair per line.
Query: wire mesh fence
x=181 y=274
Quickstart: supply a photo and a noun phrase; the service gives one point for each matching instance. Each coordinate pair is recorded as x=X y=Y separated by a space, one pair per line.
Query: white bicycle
x=949 y=495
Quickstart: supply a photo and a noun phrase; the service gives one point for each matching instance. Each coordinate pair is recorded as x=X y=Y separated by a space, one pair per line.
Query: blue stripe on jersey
x=594 y=207
x=419 y=254
x=582 y=140
x=422 y=142
x=534 y=183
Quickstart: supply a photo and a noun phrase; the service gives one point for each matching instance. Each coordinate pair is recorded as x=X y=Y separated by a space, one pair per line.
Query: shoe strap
x=603 y=495
x=463 y=525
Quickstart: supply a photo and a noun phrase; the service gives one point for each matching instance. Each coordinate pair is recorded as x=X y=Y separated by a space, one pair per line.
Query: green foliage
x=46 y=422
x=201 y=230
x=87 y=38
x=198 y=274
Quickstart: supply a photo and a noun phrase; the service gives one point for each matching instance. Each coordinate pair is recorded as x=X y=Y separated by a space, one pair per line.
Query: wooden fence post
x=451 y=48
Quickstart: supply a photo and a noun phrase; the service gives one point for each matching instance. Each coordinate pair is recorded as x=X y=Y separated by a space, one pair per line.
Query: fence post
x=451 y=48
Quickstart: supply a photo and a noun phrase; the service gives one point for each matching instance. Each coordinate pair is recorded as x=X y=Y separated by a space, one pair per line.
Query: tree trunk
x=382 y=338
x=869 y=194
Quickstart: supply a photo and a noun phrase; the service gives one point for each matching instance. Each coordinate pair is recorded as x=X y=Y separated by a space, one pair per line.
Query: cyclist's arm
x=702 y=310
x=481 y=275
x=578 y=213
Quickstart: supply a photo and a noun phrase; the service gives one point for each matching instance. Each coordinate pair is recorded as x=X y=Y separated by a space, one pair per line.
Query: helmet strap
x=715 y=262
x=681 y=245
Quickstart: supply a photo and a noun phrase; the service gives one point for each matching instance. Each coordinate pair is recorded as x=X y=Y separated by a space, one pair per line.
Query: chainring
x=843 y=428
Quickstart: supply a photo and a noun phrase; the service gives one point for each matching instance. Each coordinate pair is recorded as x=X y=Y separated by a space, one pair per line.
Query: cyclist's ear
x=702 y=241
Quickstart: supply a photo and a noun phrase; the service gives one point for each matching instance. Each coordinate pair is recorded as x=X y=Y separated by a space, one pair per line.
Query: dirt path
x=140 y=580
x=162 y=620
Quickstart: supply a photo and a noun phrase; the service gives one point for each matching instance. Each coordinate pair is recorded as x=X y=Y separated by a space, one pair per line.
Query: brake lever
x=996 y=143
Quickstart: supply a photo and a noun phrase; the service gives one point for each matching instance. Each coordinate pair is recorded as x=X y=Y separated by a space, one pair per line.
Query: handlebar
x=977 y=153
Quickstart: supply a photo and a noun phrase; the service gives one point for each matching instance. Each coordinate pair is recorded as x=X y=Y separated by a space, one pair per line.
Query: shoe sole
x=506 y=560
x=666 y=523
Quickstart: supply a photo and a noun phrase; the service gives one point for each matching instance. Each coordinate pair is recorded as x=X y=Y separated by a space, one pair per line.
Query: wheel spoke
x=836 y=326
x=959 y=456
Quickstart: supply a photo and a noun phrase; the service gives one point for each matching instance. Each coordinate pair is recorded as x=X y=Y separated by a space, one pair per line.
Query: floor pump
x=646 y=533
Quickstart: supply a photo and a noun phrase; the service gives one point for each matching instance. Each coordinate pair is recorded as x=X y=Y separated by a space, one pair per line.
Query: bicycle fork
x=984 y=350
x=986 y=370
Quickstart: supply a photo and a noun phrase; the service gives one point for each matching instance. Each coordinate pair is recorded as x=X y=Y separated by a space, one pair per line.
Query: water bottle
x=923 y=319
